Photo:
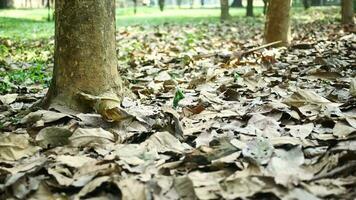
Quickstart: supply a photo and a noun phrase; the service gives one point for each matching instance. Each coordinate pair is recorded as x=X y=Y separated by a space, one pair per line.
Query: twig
x=335 y=171
x=238 y=54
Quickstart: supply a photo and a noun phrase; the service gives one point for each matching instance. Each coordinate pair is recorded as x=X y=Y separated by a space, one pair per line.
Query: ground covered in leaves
x=210 y=119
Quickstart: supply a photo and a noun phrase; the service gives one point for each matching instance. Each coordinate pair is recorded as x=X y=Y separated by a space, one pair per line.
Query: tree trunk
x=306 y=4
x=236 y=4
x=224 y=6
x=277 y=27
x=249 y=8
x=347 y=12
x=85 y=54
x=135 y=6
x=161 y=4
x=265 y=3
x=6 y=3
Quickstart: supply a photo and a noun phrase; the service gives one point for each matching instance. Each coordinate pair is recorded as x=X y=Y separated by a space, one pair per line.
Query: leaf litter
x=215 y=117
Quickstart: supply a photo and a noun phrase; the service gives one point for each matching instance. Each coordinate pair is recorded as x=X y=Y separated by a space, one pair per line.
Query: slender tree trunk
x=161 y=4
x=179 y=3
x=135 y=6
x=236 y=4
x=347 y=12
x=277 y=27
x=306 y=4
x=85 y=55
x=249 y=8
x=224 y=6
x=265 y=3
x=202 y=3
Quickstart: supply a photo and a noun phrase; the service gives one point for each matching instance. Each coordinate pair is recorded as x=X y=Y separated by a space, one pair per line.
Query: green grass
x=33 y=24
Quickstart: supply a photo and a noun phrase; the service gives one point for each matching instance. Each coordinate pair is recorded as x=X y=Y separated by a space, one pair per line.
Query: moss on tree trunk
x=277 y=27
x=85 y=55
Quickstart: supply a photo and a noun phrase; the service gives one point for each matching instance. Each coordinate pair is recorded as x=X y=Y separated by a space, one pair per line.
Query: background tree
x=249 y=8
x=277 y=27
x=347 y=12
x=85 y=55
x=135 y=6
x=179 y=3
x=265 y=3
x=236 y=4
x=306 y=4
x=161 y=4
x=6 y=3
x=224 y=6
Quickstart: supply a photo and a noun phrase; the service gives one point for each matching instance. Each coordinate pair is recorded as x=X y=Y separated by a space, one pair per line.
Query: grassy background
x=33 y=24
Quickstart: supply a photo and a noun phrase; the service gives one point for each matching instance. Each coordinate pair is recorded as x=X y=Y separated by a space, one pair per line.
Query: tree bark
x=347 y=12
x=85 y=54
x=249 y=8
x=236 y=4
x=224 y=6
x=277 y=27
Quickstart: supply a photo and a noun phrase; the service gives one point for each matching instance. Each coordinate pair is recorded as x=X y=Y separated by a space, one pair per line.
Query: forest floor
x=210 y=119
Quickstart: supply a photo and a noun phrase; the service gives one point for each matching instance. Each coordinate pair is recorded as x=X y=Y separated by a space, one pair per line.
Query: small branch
x=238 y=54
x=335 y=171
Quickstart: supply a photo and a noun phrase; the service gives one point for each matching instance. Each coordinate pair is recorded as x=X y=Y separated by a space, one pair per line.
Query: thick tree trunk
x=224 y=6
x=85 y=55
x=249 y=8
x=236 y=4
x=347 y=12
x=277 y=27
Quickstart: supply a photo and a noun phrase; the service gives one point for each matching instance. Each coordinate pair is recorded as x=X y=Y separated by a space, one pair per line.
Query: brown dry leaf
x=132 y=189
x=342 y=130
x=14 y=147
x=73 y=161
x=286 y=167
x=303 y=97
x=44 y=116
x=258 y=150
x=164 y=142
x=91 y=137
x=8 y=99
x=300 y=131
x=53 y=137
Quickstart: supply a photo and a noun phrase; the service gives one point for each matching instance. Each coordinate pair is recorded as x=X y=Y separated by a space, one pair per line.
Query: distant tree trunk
x=347 y=12
x=161 y=4
x=306 y=4
x=224 y=6
x=49 y=10
x=265 y=3
x=249 y=8
x=236 y=4
x=6 y=3
x=135 y=6
x=179 y=3
x=277 y=27
x=202 y=3
x=85 y=53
